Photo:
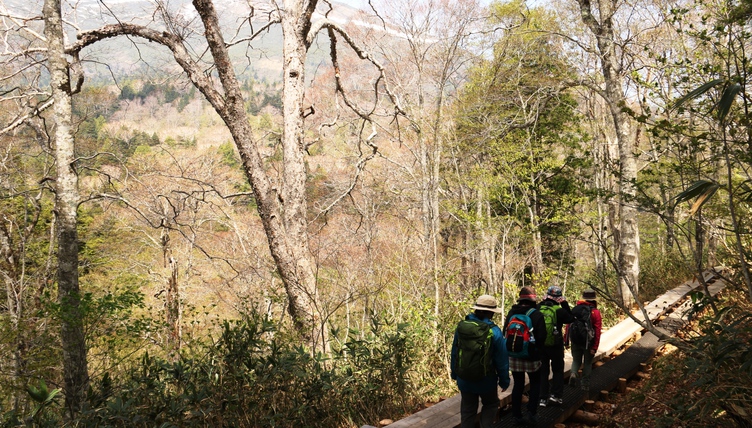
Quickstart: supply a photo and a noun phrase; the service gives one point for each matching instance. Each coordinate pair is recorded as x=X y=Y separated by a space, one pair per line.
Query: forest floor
x=668 y=396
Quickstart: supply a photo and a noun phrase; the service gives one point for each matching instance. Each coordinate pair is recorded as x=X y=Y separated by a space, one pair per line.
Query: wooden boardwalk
x=446 y=413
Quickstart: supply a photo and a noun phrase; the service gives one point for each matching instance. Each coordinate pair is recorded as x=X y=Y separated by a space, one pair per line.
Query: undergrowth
x=708 y=383
x=252 y=375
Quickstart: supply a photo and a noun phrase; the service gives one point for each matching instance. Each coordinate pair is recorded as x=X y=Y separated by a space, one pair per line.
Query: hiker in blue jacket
x=497 y=372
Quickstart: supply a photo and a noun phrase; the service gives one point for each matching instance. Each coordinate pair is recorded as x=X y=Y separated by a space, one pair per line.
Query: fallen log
x=586 y=418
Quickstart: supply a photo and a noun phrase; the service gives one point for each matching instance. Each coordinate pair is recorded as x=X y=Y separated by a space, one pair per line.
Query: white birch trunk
x=628 y=243
x=75 y=371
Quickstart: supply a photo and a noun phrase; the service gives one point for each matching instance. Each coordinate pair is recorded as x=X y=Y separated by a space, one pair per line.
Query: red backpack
x=519 y=335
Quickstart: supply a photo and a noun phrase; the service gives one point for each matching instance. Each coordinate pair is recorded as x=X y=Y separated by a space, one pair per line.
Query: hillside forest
x=273 y=213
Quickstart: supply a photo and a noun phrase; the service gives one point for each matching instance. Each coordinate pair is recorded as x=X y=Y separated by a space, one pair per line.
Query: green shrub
x=661 y=271
x=721 y=366
x=253 y=375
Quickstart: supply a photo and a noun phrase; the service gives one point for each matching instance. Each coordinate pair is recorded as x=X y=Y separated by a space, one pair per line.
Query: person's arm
x=564 y=315
x=501 y=359
x=539 y=328
x=597 y=326
x=453 y=360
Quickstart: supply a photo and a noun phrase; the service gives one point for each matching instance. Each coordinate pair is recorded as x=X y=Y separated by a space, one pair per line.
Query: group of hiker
x=530 y=343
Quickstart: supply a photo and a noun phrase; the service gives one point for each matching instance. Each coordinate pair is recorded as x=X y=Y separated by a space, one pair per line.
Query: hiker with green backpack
x=479 y=363
x=556 y=312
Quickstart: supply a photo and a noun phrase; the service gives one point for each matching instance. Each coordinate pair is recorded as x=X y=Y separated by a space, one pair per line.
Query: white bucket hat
x=487 y=302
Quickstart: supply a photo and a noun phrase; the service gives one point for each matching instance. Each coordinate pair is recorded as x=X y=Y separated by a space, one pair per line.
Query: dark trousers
x=469 y=409
x=552 y=357
x=519 y=389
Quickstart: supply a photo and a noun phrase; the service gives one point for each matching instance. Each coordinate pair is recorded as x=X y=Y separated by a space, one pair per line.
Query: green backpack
x=474 y=342
x=552 y=330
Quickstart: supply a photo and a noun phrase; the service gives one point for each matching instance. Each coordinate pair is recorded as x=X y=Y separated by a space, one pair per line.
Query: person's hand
x=592 y=351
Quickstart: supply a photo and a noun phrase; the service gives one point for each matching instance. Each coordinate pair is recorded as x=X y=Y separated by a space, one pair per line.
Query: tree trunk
x=172 y=298
x=536 y=263
x=75 y=371
x=628 y=245
x=296 y=22
x=283 y=211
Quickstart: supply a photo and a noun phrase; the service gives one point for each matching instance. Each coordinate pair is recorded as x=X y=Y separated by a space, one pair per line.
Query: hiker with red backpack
x=479 y=362
x=524 y=329
x=584 y=335
x=556 y=312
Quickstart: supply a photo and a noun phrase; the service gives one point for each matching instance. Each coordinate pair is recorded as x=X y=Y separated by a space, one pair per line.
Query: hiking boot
x=555 y=400
x=543 y=403
x=573 y=382
x=531 y=420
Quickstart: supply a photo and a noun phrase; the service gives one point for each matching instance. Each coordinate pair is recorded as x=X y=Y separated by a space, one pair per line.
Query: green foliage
x=42 y=395
x=254 y=375
x=260 y=95
x=523 y=159
x=378 y=366
x=181 y=142
x=124 y=148
x=702 y=190
x=167 y=92
x=90 y=128
x=660 y=271
x=186 y=98
x=127 y=92
x=171 y=94
x=229 y=157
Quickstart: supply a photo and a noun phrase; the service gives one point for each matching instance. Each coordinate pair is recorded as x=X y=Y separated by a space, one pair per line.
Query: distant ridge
x=261 y=60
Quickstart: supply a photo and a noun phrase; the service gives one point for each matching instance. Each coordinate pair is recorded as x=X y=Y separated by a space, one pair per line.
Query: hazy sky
x=364 y=3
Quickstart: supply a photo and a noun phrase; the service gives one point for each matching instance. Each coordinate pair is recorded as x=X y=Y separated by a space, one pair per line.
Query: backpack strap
x=530 y=311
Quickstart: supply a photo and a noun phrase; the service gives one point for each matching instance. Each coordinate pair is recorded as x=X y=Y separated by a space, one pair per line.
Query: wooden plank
x=619 y=334
x=445 y=409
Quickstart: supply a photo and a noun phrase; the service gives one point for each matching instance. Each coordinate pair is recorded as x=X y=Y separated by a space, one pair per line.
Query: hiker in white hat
x=479 y=363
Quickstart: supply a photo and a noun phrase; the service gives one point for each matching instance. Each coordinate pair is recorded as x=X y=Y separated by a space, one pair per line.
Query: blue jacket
x=500 y=361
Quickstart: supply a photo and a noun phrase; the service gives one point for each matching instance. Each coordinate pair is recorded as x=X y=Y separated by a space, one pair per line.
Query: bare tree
x=427 y=63
x=280 y=198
